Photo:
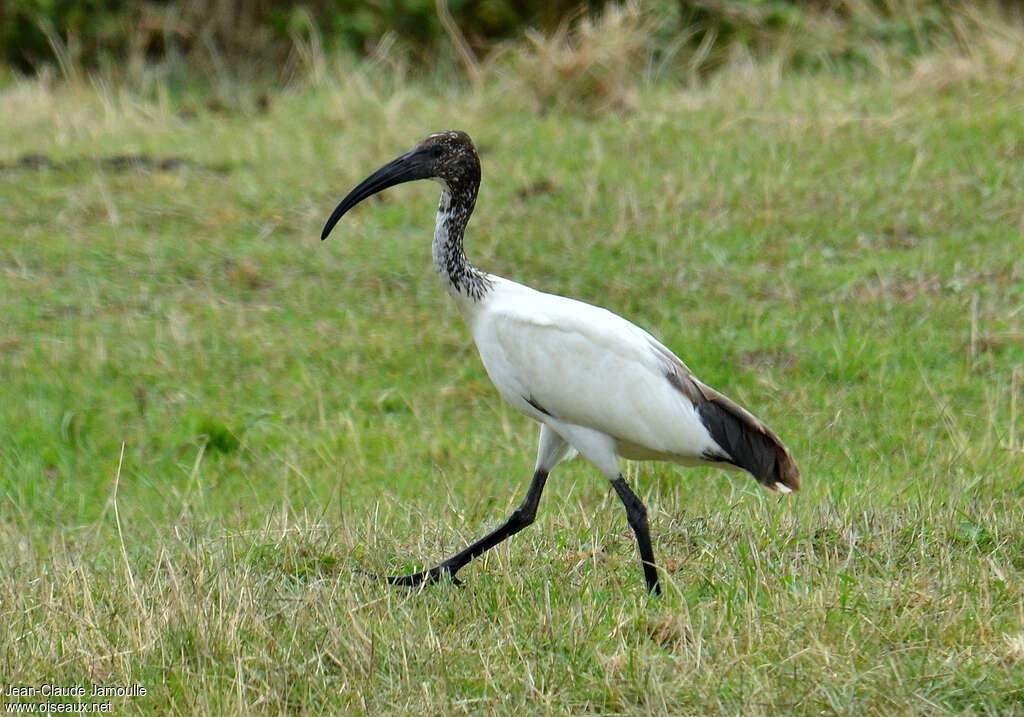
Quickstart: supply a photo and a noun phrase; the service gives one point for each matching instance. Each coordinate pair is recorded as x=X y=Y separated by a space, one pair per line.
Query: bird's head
x=448 y=157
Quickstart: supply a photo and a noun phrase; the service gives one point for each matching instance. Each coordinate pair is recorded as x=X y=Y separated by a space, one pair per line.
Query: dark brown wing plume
x=750 y=444
x=745 y=440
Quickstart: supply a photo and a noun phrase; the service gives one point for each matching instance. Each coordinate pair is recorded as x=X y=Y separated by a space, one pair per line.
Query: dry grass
x=590 y=64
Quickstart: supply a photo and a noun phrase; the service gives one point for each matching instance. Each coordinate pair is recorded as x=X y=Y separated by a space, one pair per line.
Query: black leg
x=520 y=518
x=636 y=515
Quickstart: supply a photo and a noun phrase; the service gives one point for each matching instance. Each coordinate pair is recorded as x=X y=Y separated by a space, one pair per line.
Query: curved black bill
x=416 y=164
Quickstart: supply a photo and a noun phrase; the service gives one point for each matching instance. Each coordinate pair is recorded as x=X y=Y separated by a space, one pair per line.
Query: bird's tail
x=749 y=443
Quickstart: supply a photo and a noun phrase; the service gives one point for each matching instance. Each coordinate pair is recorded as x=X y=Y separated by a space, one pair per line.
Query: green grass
x=845 y=256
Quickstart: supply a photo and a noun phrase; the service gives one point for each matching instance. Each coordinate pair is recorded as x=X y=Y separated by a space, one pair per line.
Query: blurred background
x=279 y=40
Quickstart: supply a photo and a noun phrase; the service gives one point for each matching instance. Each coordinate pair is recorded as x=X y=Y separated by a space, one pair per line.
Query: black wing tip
x=530 y=400
x=750 y=446
x=787 y=475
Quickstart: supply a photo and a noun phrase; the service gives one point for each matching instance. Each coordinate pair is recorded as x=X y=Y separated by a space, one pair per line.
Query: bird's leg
x=520 y=518
x=636 y=515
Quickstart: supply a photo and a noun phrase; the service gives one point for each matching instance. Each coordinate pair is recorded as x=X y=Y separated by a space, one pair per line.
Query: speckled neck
x=460 y=277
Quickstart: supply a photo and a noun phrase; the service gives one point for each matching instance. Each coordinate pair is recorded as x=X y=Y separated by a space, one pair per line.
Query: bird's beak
x=415 y=164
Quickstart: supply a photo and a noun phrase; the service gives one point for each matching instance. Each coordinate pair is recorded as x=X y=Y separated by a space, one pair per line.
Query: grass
x=841 y=254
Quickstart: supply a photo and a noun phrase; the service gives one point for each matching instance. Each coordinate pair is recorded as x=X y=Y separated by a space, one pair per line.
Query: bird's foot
x=424 y=577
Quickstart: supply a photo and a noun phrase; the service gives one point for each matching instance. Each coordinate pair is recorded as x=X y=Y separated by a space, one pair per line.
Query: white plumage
x=586 y=368
x=597 y=383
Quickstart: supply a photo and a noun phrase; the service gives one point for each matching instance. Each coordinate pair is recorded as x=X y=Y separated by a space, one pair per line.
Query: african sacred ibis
x=598 y=384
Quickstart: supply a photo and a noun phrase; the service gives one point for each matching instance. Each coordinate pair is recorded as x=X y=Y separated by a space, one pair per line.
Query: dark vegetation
x=270 y=37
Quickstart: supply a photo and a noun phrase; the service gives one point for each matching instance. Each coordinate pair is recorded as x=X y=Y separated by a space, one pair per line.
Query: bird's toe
x=424 y=577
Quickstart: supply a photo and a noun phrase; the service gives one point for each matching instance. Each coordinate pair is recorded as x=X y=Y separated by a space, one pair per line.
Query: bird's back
x=586 y=366
x=566 y=360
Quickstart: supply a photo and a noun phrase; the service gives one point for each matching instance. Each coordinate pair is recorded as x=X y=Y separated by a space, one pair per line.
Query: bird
x=598 y=385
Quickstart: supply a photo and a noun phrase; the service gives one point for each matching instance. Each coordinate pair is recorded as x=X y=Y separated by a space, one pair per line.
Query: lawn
x=212 y=423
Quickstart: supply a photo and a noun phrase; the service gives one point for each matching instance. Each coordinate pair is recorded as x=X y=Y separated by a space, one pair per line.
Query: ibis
x=598 y=385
